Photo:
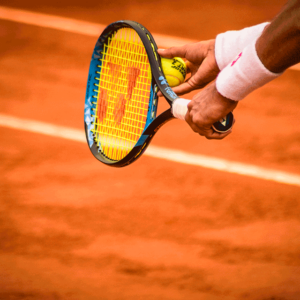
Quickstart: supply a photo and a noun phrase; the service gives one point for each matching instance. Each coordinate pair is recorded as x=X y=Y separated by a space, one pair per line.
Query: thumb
x=181 y=89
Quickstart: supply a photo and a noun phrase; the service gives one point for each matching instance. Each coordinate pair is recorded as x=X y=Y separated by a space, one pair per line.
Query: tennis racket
x=121 y=98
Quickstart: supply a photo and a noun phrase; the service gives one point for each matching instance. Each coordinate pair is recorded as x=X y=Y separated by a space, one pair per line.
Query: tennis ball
x=174 y=70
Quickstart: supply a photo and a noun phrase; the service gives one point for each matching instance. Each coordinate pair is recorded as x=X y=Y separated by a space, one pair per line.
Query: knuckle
x=190 y=106
x=185 y=50
x=172 y=50
x=196 y=120
x=195 y=129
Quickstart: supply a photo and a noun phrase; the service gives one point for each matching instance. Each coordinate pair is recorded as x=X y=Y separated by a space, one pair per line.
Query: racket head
x=121 y=97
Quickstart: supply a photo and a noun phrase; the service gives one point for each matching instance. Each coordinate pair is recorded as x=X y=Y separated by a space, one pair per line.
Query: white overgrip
x=179 y=108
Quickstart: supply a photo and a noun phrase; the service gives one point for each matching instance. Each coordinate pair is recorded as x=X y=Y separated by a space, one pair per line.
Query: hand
x=201 y=63
x=206 y=108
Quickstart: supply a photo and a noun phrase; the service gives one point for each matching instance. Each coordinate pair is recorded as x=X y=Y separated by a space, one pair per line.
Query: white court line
x=75 y=26
x=158 y=152
x=81 y=27
x=94 y=29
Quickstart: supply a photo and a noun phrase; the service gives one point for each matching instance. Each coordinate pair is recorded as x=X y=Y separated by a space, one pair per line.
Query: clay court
x=72 y=228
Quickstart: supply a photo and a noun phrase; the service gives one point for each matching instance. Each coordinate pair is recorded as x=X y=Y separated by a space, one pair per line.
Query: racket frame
x=158 y=82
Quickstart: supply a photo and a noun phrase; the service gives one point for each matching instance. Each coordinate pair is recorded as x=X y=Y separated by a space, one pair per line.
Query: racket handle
x=179 y=110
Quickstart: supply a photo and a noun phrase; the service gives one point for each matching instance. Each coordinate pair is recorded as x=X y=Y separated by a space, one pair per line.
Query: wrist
x=228 y=105
x=230 y=43
x=245 y=74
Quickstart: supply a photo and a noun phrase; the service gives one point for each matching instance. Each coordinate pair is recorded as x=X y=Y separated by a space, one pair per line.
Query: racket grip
x=179 y=110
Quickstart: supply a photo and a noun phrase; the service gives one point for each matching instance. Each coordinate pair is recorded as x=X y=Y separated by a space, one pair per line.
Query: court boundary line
x=74 y=26
x=94 y=29
x=177 y=156
x=81 y=27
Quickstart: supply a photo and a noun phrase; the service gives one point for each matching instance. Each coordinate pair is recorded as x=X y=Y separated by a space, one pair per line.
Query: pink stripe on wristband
x=243 y=75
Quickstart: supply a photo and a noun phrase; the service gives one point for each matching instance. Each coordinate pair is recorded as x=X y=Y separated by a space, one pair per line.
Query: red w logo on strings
x=115 y=71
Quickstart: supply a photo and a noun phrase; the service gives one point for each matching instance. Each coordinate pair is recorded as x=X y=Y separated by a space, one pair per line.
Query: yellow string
x=122 y=94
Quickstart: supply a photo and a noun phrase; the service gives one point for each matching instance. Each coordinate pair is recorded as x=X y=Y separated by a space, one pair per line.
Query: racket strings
x=123 y=94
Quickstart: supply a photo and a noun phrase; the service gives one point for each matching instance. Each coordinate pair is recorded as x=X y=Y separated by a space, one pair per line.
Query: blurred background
x=72 y=228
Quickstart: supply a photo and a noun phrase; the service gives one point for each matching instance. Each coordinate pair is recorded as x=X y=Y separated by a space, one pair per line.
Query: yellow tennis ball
x=174 y=70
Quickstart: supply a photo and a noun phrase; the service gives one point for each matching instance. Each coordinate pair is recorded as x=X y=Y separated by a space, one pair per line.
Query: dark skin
x=283 y=34
x=209 y=106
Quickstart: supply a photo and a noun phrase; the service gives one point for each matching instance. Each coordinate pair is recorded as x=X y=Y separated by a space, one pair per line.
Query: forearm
x=279 y=45
x=263 y=60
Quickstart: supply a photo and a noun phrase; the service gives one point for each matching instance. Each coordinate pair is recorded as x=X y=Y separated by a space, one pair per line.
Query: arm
x=205 y=59
x=277 y=49
x=279 y=45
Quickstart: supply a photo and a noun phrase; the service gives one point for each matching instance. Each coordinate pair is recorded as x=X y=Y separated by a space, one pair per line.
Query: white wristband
x=243 y=75
x=230 y=43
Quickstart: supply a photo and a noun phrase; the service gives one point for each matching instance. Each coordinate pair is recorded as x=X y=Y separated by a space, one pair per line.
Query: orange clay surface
x=72 y=228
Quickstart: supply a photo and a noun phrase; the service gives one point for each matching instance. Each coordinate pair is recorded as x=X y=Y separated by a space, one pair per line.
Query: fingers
x=173 y=52
x=199 y=118
x=193 y=83
x=188 y=68
x=217 y=135
x=181 y=89
x=210 y=134
x=186 y=87
x=205 y=131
